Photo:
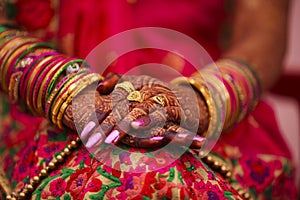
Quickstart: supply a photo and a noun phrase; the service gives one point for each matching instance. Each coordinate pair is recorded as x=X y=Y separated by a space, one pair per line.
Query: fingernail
x=136 y=124
x=100 y=86
x=94 y=139
x=156 y=138
x=182 y=135
x=142 y=121
x=87 y=129
x=112 y=137
x=199 y=138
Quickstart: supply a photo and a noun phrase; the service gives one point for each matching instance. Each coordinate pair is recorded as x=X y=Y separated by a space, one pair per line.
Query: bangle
x=33 y=76
x=236 y=85
x=58 y=73
x=11 y=63
x=6 y=67
x=216 y=108
x=44 y=66
x=84 y=82
x=60 y=90
x=46 y=77
x=8 y=49
x=26 y=74
x=251 y=81
x=10 y=34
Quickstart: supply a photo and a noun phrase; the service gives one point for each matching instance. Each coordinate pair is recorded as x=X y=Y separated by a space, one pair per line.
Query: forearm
x=259 y=36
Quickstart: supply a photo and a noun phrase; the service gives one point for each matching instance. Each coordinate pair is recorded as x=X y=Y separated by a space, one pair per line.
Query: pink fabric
x=258 y=134
x=92 y=21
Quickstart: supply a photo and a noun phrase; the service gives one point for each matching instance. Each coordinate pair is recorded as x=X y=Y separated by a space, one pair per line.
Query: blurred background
x=285 y=96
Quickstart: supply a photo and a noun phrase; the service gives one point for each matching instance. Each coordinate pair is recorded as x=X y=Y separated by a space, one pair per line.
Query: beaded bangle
x=12 y=62
x=6 y=62
x=7 y=56
x=20 y=54
x=15 y=77
x=27 y=72
x=31 y=49
x=59 y=73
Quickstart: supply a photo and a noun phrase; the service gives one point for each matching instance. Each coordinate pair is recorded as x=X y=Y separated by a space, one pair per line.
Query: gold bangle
x=203 y=90
x=54 y=101
x=40 y=93
x=223 y=92
x=86 y=81
x=32 y=108
x=12 y=49
x=7 y=63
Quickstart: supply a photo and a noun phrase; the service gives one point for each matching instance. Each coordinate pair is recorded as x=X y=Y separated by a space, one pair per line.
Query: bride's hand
x=142 y=104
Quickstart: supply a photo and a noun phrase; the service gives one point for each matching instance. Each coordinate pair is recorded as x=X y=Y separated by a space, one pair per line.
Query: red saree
x=254 y=149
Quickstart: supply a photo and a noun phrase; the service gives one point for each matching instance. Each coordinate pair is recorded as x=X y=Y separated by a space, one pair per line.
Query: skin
x=259 y=31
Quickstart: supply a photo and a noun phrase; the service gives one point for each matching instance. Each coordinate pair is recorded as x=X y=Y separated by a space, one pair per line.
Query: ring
x=159 y=100
x=135 y=96
x=126 y=85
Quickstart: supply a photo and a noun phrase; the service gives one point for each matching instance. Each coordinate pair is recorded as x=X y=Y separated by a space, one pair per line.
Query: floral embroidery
x=258 y=173
x=84 y=177
x=78 y=181
x=58 y=187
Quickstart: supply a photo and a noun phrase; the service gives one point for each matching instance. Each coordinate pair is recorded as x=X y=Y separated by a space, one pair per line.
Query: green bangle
x=58 y=73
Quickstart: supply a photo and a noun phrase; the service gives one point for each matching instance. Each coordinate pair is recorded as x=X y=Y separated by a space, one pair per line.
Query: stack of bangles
x=46 y=81
x=230 y=88
x=32 y=73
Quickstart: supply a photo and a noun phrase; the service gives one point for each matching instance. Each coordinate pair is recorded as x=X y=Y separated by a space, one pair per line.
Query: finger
x=162 y=136
x=96 y=118
x=183 y=137
x=123 y=126
x=140 y=82
x=95 y=140
x=159 y=116
x=146 y=138
x=107 y=86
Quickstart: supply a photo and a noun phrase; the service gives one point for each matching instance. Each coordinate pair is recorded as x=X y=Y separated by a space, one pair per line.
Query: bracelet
x=216 y=108
x=60 y=90
x=8 y=49
x=237 y=86
x=59 y=72
x=46 y=77
x=15 y=60
x=43 y=66
x=86 y=81
x=32 y=78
